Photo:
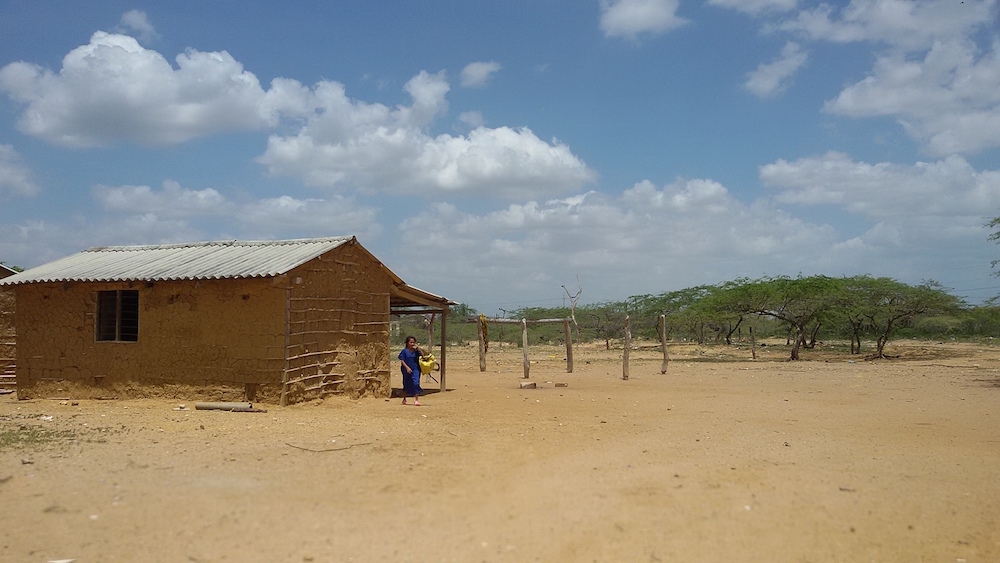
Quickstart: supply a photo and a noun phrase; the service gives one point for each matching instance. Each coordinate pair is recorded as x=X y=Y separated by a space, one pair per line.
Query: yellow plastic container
x=426 y=364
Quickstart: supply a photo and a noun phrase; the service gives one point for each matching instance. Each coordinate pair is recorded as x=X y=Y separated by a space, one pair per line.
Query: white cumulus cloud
x=374 y=148
x=686 y=233
x=113 y=89
x=756 y=6
x=630 y=18
x=905 y=24
x=772 y=78
x=174 y=211
x=477 y=75
x=694 y=231
x=135 y=22
x=946 y=189
x=949 y=99
x=936 y=72
x=16 y=179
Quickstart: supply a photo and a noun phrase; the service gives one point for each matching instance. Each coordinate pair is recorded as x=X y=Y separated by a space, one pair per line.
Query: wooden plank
x=529 y=321
x=322 y=385
x=315 y=376
x=311 y=354
x=316 y=365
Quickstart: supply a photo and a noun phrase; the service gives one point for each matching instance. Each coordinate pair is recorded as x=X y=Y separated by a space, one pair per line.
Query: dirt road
x=833 y=459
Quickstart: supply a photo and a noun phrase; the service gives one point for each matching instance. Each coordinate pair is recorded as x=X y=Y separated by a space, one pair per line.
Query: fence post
x=663 y=343
x=480 y=322
x=628 y=345
x=569 y=346
x=524 y=346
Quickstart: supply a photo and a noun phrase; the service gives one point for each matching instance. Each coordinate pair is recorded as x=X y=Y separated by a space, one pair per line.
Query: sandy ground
x=721 y=459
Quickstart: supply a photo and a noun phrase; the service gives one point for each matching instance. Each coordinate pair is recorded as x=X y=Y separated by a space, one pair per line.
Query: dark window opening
x=118 y=315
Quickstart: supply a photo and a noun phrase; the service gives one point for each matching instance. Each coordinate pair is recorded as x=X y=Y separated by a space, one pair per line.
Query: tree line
x=865 y=310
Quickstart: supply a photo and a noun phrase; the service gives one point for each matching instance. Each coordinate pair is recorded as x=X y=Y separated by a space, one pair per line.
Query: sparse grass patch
x=29 y=436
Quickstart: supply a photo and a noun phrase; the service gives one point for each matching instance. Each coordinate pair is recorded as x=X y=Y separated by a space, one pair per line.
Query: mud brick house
x=283 y=321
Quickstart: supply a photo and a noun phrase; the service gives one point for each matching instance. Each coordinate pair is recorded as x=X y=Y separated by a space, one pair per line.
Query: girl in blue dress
x=409 y=365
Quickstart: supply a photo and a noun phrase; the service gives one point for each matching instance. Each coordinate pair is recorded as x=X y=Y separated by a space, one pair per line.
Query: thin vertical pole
x=444 y=347
x=524 y=346
x=569 y=346
x=663 y=343
x=628 y=344
x=481 y=329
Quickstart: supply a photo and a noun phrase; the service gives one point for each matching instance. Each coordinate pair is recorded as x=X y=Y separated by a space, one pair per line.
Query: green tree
x=607 y=320
x=462 y=311
x=681 y=313
x=748 y=299
x=852 y=306
x=886 y=303
x=800 y=302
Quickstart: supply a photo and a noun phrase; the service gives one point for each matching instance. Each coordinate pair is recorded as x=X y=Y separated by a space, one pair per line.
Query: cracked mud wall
x=212 y=335
x=338 y=326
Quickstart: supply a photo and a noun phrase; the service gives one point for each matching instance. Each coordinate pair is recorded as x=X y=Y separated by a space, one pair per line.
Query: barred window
x=118 y=315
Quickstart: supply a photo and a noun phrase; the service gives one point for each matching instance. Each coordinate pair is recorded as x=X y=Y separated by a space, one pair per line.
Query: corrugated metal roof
x=190 y=261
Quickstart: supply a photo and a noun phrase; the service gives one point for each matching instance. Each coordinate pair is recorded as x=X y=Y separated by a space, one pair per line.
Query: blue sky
x=493 y=152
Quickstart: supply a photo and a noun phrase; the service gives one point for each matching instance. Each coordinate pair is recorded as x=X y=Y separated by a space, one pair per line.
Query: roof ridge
x=231 y=242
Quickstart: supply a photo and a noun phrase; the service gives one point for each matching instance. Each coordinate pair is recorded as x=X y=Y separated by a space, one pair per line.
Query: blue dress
x=411 y=381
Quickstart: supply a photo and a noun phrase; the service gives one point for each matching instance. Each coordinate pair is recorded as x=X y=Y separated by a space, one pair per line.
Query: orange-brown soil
x=832 y=458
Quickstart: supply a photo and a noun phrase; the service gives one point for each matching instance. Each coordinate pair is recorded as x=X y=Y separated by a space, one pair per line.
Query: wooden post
x=628 y=344
x=569 y=346
x=482 y=343
x=663 y=343
x=524 y=346
x=444 y=347
x=288 y=343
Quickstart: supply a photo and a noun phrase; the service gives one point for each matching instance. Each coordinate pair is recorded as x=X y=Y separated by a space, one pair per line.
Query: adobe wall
x=339 y=323
x=203 y=339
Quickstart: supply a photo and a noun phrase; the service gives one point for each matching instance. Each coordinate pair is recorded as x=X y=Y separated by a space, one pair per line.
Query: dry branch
x=326 y=449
